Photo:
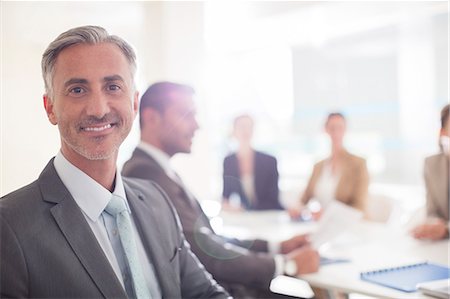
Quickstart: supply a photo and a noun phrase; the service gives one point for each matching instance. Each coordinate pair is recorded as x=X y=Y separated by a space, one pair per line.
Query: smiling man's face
x=94 y=101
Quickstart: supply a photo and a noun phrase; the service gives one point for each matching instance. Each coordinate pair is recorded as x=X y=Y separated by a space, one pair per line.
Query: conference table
x=367 y=246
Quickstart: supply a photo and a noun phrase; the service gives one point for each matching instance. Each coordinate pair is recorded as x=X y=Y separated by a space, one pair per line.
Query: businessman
x=80 y=230
x=245 y=268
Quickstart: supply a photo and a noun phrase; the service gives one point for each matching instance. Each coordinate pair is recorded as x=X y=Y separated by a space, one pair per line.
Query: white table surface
x=368 y=245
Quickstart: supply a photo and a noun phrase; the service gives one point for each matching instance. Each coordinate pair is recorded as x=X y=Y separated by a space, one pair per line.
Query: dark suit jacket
x=265 y=177
x=48 y=250
x=228 y=261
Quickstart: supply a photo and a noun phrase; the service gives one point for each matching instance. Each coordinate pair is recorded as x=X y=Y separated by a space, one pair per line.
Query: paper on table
x=336 y=219
x=291 y=286
x=437 y=288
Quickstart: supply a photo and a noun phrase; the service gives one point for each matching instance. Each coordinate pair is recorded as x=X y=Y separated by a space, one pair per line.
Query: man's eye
x=113 y=87
x=77 y=90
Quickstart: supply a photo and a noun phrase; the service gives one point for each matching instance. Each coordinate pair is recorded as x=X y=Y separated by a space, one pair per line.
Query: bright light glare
x=211 y=208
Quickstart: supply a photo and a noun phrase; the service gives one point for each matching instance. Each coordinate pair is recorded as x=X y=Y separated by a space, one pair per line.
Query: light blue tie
x=116 y=207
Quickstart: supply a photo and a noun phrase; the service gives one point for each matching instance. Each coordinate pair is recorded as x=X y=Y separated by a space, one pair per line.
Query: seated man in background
x=248 y=173
x=342 y=176
x=245 y=268
x=436 y=174
x=79 y=230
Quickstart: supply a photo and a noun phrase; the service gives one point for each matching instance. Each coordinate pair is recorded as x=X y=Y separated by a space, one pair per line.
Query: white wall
x=384 y=64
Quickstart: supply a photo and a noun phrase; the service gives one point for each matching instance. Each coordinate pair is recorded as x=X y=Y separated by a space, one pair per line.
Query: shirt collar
x=160 y=157
x=89 y=195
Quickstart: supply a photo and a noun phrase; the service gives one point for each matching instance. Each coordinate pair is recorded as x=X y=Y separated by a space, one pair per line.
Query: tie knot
x=115 y=206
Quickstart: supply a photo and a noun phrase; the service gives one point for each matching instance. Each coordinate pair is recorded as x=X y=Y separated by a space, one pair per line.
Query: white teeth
x=97 y=129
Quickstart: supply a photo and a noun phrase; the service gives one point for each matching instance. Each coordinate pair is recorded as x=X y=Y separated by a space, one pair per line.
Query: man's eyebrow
x=75 y=81
x=113 y=78
x=84 y=81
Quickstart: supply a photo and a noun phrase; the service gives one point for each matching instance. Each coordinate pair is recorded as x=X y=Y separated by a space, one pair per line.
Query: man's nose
x=98 y=105
x=195 y=124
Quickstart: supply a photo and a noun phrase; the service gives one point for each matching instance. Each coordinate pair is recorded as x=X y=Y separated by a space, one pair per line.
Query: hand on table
x=306 y=258
x=293 y=243
x=294 y=212
x=297 y=212
x=435 y=229
x=226 y=206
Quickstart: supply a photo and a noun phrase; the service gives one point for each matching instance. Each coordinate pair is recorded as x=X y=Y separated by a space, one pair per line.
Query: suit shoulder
x=23 y=207
x=435 y=161
x=134 y=162
x=266 y=156
x=356 y=160
x=434 y=158
x=20 y=197
x=140 y=168
x=230 y=157
x=319 y=164
x=141 y=185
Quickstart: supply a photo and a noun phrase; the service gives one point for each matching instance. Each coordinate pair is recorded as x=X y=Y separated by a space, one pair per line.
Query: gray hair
x=81 y=35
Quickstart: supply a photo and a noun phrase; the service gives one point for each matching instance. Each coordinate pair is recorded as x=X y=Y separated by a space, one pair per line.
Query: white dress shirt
x=163 y=160
x=325 y=190
x=92 y=199
x=248 y=184
x=160 y=157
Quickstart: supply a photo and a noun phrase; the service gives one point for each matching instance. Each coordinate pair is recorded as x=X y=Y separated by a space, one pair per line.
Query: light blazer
x=265 y=174
x=48 y=250
x=228 y=263
x=436 y=173
x=353 y=185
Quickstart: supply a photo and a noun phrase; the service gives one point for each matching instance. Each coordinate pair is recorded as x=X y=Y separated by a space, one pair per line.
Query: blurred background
x=383 y=64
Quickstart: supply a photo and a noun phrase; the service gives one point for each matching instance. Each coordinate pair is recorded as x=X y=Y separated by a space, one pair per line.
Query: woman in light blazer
x=436 y=175
x=342 y=176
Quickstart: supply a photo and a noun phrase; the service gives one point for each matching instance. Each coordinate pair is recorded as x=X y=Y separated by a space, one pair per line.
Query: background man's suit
x=227 y=263
x=265 y=182
x=47 y=248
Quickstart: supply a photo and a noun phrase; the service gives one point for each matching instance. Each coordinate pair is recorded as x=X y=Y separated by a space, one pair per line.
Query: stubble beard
x=78 y=146
x=91 y=155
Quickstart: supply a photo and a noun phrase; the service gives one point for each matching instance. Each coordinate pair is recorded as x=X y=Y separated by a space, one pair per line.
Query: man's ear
x=136 y=103
x=150 y=117
x=48 y=105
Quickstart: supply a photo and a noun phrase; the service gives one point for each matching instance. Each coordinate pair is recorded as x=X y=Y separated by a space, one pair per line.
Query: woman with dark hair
x=248 y=174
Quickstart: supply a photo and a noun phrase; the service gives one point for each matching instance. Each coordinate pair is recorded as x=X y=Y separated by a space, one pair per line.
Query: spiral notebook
x=406 y=278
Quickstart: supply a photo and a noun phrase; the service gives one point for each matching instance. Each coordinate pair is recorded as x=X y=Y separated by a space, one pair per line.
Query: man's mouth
x=97 y=128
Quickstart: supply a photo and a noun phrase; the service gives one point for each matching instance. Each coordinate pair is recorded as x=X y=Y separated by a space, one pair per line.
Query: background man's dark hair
x=157 y=96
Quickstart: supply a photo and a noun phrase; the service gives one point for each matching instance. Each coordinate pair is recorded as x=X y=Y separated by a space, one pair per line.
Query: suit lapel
x=172 y=187
x=78 y=234
x=145 y=215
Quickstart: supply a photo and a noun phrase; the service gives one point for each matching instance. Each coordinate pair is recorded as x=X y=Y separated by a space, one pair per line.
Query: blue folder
x=406 y=278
